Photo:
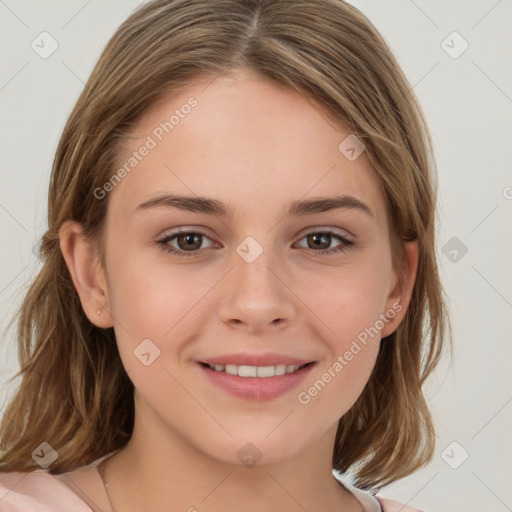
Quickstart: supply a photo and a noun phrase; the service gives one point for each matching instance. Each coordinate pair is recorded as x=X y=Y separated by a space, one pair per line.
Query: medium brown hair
x=74 y=392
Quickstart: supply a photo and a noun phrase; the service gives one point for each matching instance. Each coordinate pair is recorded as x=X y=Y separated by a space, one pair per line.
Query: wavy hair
x=74 y=392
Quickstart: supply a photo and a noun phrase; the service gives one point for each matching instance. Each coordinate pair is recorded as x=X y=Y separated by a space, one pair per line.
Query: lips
x=256 y=371
x=255 y=360
x=255 y=377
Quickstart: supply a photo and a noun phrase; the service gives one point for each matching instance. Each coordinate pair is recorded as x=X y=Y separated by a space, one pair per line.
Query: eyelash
x=164 y=243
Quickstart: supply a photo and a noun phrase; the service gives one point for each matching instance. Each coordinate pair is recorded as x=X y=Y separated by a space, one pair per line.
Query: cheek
x=150 y=297
x=348 y=303
x=158 y=311
x=352 y=339
x=151 y=300
x=348 y=299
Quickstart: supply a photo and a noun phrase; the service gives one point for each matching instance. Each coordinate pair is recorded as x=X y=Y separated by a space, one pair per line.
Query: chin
x=256 y=449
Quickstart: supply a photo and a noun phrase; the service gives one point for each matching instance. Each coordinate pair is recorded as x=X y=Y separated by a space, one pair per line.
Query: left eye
x=321 y=242
x=187 y=241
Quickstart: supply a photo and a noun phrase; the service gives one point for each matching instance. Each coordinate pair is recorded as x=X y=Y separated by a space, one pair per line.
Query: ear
x=400 y=296
x=87 y=272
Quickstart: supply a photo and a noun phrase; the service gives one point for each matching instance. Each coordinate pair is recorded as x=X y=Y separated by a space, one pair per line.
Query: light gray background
x=468 y=104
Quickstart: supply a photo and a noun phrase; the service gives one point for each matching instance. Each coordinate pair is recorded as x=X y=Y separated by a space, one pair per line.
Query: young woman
x=239 y=292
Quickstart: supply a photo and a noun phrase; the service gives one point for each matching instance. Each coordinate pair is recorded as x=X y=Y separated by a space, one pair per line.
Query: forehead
x=243 y=139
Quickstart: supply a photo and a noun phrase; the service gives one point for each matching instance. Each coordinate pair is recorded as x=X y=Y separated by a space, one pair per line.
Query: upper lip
x=268 y=359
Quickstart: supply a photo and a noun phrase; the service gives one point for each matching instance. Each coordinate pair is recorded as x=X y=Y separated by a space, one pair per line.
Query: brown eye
x=186 y=243
x=189 y=241
x=319 y=240
x=321 y=243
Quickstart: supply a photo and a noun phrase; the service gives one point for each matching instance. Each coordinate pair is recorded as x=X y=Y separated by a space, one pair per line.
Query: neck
x=158 y=468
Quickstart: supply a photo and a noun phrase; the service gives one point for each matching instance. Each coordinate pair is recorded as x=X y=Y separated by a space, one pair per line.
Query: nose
x=257 y=296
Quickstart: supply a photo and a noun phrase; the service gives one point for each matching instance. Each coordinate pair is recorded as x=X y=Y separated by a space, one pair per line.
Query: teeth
x=232 y=369
x=255 y=371
x=265 y=371
x=248 y=371
x=280 y=369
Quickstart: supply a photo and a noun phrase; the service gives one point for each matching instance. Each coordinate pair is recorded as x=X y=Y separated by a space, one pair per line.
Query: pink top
x=40 y=491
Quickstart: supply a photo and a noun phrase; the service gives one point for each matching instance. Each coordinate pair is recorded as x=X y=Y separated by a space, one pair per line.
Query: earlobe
x=88 y=275
x=400 y=297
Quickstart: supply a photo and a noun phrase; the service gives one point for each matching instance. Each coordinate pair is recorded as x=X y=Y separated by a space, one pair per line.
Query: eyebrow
x=214 y=207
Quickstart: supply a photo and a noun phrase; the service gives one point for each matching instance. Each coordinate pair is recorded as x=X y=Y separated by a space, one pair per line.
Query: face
x=243 y=238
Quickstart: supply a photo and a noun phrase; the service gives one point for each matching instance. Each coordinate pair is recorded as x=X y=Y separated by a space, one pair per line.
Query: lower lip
x=257 y=388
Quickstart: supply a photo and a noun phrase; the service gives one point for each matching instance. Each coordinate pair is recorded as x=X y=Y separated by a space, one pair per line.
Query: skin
x=256 y=146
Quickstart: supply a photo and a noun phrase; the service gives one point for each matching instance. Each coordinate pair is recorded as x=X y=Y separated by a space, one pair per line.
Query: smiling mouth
x=257 y=371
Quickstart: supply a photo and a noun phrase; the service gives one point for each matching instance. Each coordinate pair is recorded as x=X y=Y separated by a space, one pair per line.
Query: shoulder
x=394 y=506
x=37 y=491
x=370 y=502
